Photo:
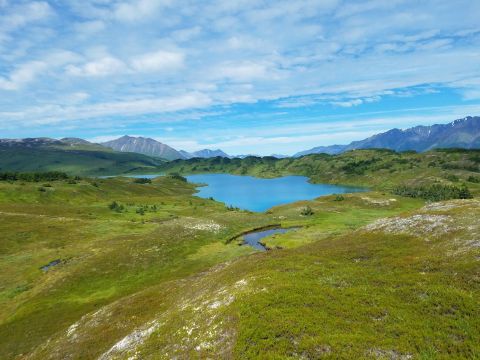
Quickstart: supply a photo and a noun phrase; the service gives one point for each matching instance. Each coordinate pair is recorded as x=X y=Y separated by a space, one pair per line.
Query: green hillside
x=78 y=159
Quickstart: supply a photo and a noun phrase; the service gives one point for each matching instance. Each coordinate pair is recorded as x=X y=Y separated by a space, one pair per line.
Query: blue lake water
x=255 y=194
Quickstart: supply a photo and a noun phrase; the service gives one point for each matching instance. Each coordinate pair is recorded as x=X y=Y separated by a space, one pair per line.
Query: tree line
x=33 y=176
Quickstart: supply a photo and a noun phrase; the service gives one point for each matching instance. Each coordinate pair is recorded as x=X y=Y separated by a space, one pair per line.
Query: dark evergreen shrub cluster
x=142 y=181
x=434 y=192
x=474 y=179
x=34 y=176
x=178 y=177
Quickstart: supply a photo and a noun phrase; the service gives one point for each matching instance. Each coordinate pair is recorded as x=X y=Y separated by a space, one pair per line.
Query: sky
x=249 y=77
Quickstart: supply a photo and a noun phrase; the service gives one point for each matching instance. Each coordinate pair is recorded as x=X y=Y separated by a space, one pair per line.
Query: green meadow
x=151 y=271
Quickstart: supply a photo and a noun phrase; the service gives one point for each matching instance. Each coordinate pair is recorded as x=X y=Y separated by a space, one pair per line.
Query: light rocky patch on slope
x=451 y=205
x=378 y=202
x=199 y=325
x=130 y=342
x=425 y=225
x=381 y=354
x=190 y=225
x=458 y=218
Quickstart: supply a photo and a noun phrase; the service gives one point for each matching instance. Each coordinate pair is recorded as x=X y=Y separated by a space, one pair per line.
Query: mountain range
x=128 y=153
x=461 y=133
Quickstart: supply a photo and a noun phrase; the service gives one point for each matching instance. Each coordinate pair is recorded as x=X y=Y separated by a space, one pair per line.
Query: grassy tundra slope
x=401 y=288
x=151 y=271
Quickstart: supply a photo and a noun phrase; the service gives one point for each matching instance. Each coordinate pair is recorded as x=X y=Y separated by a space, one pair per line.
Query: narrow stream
x=254 y=238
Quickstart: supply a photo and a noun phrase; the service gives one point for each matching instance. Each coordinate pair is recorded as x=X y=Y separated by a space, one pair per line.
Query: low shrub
x=474 y=179
x=307 y=211
x=116 y=206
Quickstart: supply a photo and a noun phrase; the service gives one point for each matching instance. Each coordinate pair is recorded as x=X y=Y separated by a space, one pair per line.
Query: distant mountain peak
x=75 y=141
x=142 y=145
x=204 y=153
x=207 y=153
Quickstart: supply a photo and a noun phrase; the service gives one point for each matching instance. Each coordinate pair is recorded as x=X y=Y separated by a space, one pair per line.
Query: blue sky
x=246 y=76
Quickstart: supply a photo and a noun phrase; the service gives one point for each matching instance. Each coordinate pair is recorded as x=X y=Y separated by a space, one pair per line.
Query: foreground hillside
x=78 y=158
x=404 y=287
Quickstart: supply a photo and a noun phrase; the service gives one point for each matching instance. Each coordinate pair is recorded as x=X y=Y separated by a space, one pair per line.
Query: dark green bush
x=307 y=211
x=178 y=177
x=435 y=192
x=452 y=177
x=474 y=179
x=142 y=181
x=116 y=206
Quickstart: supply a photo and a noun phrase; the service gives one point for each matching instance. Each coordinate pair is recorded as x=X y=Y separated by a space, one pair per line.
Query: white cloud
x=107 y=65
x=139 y=9
x=73 y=111
x=241 y=71
x=186 y=34
x=158 y=61
x=22 y=75
x=348 y=103
x=24 y=14
x=355 y=102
